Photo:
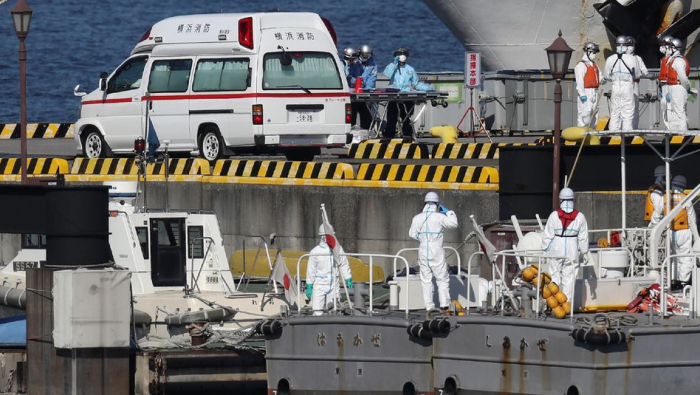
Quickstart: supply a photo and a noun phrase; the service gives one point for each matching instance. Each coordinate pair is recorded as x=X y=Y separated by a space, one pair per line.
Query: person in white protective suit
x=642 y=73
x=587 y=83
x=428 y=228
x=622 y=69
x=665 y=47
x=678 y=88
x=566 y=235
x=322 y=275
x=682 y=227
x=654 y=207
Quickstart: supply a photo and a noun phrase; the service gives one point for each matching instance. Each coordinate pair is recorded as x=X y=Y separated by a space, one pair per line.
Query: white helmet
x=677 y=44
x=365 y=51
x=432 y=197
x=321 y=230
x=566 y=194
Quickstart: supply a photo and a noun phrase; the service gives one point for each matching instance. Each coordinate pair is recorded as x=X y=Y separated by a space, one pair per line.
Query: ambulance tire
x=211 y=145
x=94 y=145
x=302 y=154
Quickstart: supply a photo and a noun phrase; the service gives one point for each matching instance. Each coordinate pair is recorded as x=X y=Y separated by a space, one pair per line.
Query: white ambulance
x=219 y=84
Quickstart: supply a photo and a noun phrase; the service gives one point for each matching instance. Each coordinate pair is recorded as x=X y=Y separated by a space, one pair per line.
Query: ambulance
x=222 y=84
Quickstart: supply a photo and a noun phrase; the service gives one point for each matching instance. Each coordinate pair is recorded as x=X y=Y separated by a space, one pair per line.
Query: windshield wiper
x=295 y=86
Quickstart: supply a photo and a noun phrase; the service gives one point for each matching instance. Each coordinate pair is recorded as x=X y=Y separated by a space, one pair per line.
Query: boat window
x=168 y=233
x=309 y=70
x=214 y=75
x=33 y=242
x=142 y=233
x=128 y=76
x=171 y=75
x=196 y=250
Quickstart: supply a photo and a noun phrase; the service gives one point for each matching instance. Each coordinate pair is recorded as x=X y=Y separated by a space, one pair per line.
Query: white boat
x=512 y=34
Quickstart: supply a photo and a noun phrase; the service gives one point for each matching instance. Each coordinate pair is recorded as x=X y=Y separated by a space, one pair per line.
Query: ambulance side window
x=214 y=75
x=171 y=75
x=128 y=76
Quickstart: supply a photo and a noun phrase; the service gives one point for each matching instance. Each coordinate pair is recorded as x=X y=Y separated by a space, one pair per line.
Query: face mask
x=592 y=56
x=662 y=49
x=629 y=50
x=567 y=206
x=402 y=58
x=621 y=49
x=363 y=59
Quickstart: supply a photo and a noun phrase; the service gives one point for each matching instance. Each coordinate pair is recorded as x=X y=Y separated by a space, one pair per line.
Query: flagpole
x=335 y=263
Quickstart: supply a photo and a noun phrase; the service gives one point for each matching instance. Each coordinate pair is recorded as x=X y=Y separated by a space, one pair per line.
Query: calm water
x=72 y=41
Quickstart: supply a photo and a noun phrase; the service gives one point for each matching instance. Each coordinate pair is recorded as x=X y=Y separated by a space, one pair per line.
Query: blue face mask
x=567 y=206
x=621 y=49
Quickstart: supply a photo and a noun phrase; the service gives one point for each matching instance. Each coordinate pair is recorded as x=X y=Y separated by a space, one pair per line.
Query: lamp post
x=21 y=17
x=558 y=55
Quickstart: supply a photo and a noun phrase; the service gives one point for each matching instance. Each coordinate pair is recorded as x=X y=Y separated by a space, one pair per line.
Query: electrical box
x=92 y=308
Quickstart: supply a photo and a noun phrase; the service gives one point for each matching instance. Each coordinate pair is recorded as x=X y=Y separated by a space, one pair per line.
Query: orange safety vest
x=672 y=77
x=590 y=79
x=649 y=206
x=663 y=70
x=681 y=220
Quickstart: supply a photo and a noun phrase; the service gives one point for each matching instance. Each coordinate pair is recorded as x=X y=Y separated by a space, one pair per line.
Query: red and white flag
x=331 y=240
x=280 y=273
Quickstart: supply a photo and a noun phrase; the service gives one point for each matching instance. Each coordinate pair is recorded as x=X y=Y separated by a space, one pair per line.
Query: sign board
x=453 y=90
x=472 y=69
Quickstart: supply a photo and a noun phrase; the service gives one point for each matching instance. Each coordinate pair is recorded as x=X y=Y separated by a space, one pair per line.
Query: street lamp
x=21 y=17
x=558 y=55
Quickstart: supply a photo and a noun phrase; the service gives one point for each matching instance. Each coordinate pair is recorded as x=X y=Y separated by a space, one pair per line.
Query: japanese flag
x=331 y=240
x=280 y=273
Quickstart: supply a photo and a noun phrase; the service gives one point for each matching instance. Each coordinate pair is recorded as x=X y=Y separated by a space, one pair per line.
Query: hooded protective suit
x=642 y=72
x=428 y=227
x=678 y=94
x=569 y=242
x=587 y=83
x=322 y=273
x=622 y=70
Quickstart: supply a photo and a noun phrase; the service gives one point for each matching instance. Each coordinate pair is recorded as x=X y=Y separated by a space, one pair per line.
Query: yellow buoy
x=528 y=274
x=546 y=278
x=567 y=307
x=546 y=293
x=559 y=312
x=552 y=302
x=575 y=133
x=553 y=288
x=560 y=297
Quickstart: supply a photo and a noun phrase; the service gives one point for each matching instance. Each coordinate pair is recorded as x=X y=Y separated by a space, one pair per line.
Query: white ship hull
x=512 y=34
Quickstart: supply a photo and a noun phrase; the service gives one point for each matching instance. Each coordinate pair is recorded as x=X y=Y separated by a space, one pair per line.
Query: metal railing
x=194 y=282
x=371 y=277
x=665 y=281
x=456 y=254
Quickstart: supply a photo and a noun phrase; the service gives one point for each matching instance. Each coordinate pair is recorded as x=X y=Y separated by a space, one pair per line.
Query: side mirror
x=285 y=59
x=103 y=81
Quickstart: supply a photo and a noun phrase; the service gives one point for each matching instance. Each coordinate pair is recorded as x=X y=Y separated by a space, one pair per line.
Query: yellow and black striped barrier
x=471 y=150
x=427 y=176
x=280 y=172
x=37 y=131
x=107 y=169
x=10 y=168
x=616 y=140
x=394 y=149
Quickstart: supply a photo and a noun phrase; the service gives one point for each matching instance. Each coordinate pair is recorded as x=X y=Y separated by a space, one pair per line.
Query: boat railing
x=636 y=244
x=665 y=281
x=194 y=281
x=401 y=251
x=255 y=261
x=371 y=257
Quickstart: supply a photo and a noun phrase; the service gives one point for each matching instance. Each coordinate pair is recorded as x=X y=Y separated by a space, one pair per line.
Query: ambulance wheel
x=94 y=145
x=211 y=145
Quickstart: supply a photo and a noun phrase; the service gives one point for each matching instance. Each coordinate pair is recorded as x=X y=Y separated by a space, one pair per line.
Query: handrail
x=469 y=277
x=371 y=264
x=665 y=273
x=398 y=254
x=195 y=282
x=665 y=222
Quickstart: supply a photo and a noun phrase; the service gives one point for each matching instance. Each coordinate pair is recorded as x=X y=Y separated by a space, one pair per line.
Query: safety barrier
x=427 y=176
x=471 y=150
x=107 y=169
x=10 y=168
x=37 y=130
x=280 y=172
x=394 y=149
x=615 y=140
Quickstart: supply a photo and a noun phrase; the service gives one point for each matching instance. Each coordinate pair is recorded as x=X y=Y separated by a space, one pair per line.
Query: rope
x=609 y=320
x=590 y=122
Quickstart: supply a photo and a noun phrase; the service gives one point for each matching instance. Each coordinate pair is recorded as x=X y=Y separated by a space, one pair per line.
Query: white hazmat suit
x=678 y=93
x=569 y=242
x=683 y=241
x=322 y=273
x=587 y=83
x=622 y=70
x=428 y=228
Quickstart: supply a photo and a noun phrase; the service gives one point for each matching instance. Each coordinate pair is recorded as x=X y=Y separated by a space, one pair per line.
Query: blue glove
x=443 y=209
x=668 y=98
x=309 y=288
x=396 y=59
x=584 y=99
x=349 y=283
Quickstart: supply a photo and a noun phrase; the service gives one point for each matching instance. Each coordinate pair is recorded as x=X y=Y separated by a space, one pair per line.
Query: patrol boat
x=513 y=343
x=179 y=270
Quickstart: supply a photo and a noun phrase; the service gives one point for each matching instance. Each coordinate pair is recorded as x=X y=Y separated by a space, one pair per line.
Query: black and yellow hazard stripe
x=282 y=169
x=37 y=130
x=428 y=173
x=104 y=169
x=35 y=166
x=391 y=150
x=471 y=150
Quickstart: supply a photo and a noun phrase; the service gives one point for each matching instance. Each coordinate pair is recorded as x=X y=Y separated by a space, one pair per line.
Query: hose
x=590 y=122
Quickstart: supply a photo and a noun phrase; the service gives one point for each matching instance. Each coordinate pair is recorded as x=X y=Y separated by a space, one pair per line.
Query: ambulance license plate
x=305 y=116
